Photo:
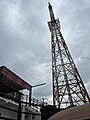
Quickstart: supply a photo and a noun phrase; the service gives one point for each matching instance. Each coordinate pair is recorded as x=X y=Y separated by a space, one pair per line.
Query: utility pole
x=68 y=87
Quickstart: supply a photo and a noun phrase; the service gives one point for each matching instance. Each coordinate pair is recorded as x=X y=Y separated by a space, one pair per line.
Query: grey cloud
x=25 y=38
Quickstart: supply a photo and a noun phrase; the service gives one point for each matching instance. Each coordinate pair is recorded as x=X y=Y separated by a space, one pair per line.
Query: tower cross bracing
x=68 y=87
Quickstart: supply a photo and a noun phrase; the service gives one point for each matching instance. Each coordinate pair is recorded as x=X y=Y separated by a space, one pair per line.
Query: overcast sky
x=25 y=39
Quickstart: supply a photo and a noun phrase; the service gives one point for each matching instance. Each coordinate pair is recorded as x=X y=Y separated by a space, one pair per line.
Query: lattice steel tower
x=68 y=87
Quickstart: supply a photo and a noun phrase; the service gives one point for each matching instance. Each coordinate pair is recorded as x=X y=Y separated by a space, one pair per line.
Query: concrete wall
x=13 y=115
x=8 y=114
x=8 y=104
x=32 y=117
x=38 y=117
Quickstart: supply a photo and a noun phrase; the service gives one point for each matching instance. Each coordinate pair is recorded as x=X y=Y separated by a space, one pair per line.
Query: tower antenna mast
x=68 y=87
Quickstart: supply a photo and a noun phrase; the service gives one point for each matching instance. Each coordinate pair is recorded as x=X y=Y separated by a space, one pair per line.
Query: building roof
x=9 y=81
x=75 y=113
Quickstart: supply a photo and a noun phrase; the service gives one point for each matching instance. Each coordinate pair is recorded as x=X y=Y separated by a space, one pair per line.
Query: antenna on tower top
x=51 y=12
x=49 y=5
